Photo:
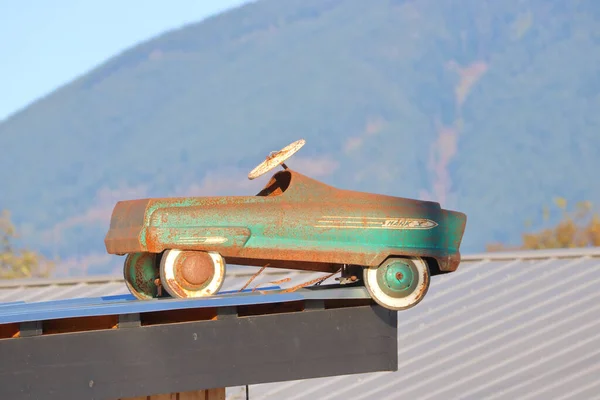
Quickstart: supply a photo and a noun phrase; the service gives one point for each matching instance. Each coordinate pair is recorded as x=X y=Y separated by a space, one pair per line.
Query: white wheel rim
x=401 y=303
x=276 y=159
x=167 y=276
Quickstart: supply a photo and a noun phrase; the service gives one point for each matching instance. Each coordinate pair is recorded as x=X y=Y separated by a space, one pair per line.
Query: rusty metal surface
x=276 y=158
x=308 y=283
x=193 y=269
x=294 y=222
x=124 y=227
x=140 y=273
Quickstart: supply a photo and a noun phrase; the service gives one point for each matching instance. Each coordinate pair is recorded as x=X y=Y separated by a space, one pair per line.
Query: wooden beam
x=209 y=394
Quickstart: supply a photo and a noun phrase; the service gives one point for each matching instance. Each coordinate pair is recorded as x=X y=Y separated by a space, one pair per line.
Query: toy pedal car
x=393 y=244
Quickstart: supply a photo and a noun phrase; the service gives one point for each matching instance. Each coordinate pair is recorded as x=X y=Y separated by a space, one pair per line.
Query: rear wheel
x=399 y=283
x=191 y=274
x=140 y=271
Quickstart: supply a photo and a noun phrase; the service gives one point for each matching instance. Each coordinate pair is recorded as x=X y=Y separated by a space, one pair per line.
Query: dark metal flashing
x=141 y=355
x=129 y=321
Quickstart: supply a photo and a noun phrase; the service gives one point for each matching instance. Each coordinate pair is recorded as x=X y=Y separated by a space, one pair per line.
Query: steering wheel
x=276 y=158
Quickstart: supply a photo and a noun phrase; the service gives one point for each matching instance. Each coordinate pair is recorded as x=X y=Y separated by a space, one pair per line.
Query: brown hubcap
x=193 y=269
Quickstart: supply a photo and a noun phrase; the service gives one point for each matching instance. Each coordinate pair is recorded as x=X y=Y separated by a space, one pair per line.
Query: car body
x=296 y=222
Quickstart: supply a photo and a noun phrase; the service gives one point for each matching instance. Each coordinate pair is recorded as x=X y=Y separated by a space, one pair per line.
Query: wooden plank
x=196 y=395
x=210 y=394
x=172 y=396
x=215 y=394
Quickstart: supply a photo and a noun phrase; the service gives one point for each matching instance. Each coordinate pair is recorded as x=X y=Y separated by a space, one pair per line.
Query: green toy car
x=392 y=244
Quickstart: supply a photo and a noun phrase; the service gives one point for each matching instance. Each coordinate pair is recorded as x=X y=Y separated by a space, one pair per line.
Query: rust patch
x=125 y=224
x=193 y=269
x=279 y=263
x=144 y=285
x=253 y=277
x=174 y=285
x=311 y=282
x=159 y=287
x=277 y=282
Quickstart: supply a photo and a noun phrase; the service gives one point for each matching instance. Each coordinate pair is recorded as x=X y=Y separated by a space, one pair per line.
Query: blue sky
x=45 y=44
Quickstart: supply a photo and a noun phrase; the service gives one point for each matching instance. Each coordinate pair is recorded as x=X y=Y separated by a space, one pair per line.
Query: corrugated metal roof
x=513 y=325
x=506 y=325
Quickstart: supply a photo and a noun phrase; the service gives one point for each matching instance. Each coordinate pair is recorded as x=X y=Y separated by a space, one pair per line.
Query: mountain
x=488 y=107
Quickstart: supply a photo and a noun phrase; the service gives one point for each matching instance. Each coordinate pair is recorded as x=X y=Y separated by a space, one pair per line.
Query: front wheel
x=399 y=283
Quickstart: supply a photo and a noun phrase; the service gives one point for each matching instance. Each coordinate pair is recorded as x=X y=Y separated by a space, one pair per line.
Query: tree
x=19 y=263
x=579 y=227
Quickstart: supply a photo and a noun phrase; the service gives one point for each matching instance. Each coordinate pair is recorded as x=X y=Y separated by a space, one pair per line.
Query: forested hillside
x=490 y=107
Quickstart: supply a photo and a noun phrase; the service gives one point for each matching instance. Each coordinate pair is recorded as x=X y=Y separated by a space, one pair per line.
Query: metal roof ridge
x=534 y=254
x=30 y=282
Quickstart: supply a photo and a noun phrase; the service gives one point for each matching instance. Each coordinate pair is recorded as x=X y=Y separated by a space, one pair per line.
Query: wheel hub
x=191 y=274
x=398 y=279
x=194 y=269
